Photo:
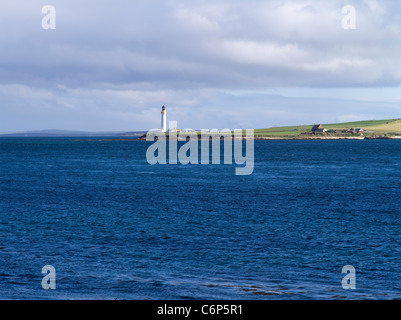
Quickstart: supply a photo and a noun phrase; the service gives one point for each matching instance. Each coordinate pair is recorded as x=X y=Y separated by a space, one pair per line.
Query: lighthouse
x=164 y=119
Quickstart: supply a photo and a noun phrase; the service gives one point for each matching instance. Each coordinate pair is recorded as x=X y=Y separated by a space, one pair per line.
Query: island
x=368 y=129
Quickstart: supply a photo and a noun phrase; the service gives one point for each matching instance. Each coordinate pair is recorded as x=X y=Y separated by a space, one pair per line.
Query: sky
x=111 y=65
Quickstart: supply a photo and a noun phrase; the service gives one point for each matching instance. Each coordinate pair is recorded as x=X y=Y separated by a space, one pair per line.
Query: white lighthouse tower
x=164 y=119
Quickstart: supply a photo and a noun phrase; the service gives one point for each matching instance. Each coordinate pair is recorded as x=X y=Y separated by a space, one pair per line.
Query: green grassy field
x=390 y=127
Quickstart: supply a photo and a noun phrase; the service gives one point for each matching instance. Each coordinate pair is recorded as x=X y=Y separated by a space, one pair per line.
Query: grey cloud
x=117 y=59
x=287 y=42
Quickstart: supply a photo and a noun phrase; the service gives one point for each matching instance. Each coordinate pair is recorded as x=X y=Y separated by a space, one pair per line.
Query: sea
x=112 y=226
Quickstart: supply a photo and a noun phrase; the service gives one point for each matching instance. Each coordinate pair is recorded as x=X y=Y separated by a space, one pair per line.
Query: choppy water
x=115 y=227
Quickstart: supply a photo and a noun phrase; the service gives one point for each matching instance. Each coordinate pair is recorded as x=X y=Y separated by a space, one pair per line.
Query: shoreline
x=259 y=138
x=268 y=138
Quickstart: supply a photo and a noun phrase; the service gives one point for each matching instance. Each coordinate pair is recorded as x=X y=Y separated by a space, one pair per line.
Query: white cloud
x=263 y=54
x=25 y=92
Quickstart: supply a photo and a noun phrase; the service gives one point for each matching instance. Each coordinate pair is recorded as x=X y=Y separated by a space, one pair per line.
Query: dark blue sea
x=115 y=227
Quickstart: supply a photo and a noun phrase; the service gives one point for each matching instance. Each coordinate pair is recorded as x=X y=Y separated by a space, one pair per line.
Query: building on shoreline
x=318 y=129
x=354 y=131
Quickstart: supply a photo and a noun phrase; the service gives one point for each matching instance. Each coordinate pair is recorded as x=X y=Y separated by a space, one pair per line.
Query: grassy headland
x=373 y=129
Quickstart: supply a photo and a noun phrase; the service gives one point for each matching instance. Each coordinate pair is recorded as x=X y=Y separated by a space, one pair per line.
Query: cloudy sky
x=111 y=65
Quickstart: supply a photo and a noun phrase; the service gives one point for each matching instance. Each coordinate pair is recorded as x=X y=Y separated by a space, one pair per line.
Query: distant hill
x=390 y=127
x=134 y=133
x=61 y=133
